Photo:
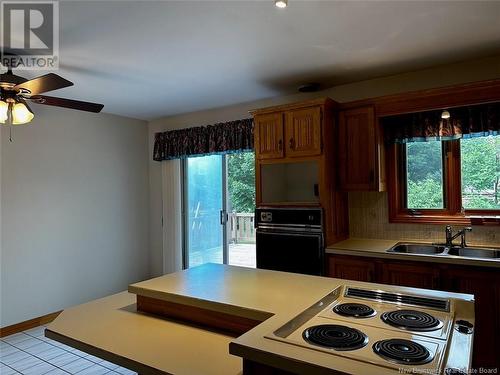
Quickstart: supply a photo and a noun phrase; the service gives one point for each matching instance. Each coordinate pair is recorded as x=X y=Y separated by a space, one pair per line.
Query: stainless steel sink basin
x=423 y=249
x=443 y=251
x=474 y=252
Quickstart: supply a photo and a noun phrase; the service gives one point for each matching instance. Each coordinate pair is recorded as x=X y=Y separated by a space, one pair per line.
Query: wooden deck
x=239 y=255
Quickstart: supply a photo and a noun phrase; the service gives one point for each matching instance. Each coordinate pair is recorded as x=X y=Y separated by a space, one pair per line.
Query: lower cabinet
x=351 y=268
x=409 y=274
x=482 y=282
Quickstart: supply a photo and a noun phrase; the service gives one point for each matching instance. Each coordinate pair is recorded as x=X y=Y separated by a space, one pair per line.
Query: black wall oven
x=290 y=239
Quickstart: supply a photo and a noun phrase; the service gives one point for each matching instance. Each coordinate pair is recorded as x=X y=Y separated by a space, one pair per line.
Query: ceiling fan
x=16 y=90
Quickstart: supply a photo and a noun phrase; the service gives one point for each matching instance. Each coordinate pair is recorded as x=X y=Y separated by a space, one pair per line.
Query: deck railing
x=241 y=227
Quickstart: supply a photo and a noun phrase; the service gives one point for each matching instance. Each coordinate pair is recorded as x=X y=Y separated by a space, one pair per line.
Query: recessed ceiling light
x=445 y=114
x=281 y=3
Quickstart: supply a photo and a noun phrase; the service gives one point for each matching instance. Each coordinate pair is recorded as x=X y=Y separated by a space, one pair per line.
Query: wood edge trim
x=397 y=103
x=193 y=302
x=119 y=360
x=28 y=324
x=295 y=105
x=223 y=322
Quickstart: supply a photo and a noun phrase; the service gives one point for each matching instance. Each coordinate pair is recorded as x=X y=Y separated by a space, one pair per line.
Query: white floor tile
x=64 y=359
x=25 y=344
x=125 y=371
x=26 y=363
x=77 y=366
x=36 y=332
x=57 y=371
x=93 y=358
x=39 y=369
x=109 y=365
x=6 y=370
x=38 y=348
x=95 y=370
x=14 y=357
x=50 y=354
x=79 y=353
x=7 y=349
x=31 y=353
x=16 y=338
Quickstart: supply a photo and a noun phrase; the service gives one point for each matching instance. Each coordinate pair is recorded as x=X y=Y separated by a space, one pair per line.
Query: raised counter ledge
x=112 y=328
x=377 y=248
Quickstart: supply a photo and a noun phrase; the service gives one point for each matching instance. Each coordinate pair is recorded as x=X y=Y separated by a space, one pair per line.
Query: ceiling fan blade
x=44 y=83
x=67 y=103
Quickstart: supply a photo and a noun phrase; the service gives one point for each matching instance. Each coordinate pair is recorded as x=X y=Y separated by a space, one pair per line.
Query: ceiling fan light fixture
x=21 y=113
x=445 y=115
x=4 y=111
x=281 y=3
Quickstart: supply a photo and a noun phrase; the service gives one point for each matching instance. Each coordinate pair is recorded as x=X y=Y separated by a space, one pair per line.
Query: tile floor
x=31 y=353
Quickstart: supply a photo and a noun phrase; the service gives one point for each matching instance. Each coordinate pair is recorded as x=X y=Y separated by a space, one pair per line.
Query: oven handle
x=295 y=234
x=288 y=229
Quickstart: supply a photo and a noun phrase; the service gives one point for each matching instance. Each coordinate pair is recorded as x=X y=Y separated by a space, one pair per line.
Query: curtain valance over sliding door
x=464 y=122
x=204 y=140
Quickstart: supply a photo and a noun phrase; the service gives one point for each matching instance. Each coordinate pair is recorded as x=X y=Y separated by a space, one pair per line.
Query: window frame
x=453 y=213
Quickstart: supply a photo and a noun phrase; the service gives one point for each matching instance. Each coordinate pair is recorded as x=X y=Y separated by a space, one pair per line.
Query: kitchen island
x=113 y=329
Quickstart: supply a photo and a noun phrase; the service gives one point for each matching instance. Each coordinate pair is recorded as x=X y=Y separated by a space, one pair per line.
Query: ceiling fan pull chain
x=10 y=133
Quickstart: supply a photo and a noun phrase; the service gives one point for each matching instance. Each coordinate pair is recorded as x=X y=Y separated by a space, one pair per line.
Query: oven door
x=298 y=252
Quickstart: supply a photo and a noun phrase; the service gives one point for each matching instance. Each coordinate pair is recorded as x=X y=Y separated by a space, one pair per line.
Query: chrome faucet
x=450 y=236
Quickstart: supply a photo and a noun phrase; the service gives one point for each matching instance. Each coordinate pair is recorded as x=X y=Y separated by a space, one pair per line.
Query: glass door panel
x=203 y=205
x=241 y=209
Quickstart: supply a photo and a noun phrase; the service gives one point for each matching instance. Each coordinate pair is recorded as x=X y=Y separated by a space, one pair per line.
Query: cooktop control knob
x=463 y=326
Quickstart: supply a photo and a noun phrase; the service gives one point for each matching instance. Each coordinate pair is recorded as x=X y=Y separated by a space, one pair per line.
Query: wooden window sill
x=445 y=219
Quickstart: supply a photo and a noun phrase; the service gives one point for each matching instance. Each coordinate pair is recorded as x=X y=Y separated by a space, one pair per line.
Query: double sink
x=446 y=251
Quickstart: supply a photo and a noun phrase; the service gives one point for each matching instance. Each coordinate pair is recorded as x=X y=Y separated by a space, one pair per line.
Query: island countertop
x=113 y=329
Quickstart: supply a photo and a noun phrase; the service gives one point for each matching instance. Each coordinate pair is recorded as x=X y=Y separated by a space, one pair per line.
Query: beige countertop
x=112 y=328
x=378 y=249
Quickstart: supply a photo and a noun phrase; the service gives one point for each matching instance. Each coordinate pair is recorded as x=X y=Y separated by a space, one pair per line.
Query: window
x=481 y=173
x=424 y=175
x=444 y=181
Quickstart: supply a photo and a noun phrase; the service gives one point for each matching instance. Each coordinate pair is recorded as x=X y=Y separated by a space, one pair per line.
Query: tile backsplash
x=369 y=218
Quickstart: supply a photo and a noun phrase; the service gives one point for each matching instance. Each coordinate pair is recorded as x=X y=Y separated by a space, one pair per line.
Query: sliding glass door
x=219 y=203
x=203 y=204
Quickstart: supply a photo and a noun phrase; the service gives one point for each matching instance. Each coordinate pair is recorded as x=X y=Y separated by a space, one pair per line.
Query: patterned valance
x=464 y=122
x=204 y=140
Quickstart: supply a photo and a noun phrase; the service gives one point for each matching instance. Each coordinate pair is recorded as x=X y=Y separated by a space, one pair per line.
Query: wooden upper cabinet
x=269 y=136
x=360 y=151
x=303 y=132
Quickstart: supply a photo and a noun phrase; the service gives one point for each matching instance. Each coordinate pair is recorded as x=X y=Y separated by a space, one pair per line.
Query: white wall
x=471 y=71
x=74 y=218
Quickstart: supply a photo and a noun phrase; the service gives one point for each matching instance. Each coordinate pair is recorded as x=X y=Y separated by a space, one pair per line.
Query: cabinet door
x=484 y=284
x=269 y=136
x=351 y=268
x=303 y=132
x=412 y=274
x=357 y=149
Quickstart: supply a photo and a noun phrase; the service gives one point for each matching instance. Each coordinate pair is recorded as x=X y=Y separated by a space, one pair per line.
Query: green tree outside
x=480 y=159
x=241 y=181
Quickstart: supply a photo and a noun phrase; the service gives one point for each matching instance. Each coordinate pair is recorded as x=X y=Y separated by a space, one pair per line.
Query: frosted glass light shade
x=21 y=114
x=4 y=112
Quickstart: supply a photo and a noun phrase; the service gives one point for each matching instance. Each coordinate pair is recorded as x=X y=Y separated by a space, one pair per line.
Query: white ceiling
x=148 y=59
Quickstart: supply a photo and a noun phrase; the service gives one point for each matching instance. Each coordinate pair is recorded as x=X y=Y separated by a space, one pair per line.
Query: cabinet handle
x=291 y=143
x=280 y=145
